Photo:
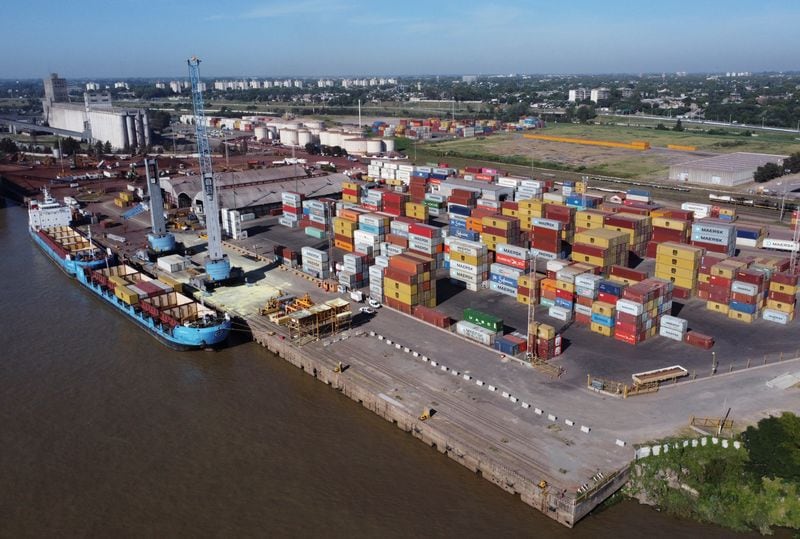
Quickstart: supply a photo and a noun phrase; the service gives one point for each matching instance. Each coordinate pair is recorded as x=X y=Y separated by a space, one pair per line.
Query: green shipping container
x=482 y=319
x=316 y=233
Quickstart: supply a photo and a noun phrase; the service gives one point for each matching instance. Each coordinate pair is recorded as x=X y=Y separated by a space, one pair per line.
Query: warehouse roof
x=256 y=187
x=733 y=162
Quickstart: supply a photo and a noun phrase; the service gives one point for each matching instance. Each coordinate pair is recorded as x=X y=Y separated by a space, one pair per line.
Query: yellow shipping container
x=522 y=298
x=564 y=285
x=468 y=259
x=590 y=216
x=727 y=269
x=511 y=213
x=671 y=224
x=780 y=306
x=606 y=309
x=703 y=278
x=601 y=237
x=683 y=282
x=743 y=317
x=606 y=331
x=545 y=331
x=718 y=307
x=126 y=295
x=502 y=224
x=682 y=263
x=350 y=198
x=593 y=260
x=782 y=288
x=678 y=250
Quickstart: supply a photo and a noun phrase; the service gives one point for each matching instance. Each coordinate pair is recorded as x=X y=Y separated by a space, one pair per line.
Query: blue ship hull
x=177 y=338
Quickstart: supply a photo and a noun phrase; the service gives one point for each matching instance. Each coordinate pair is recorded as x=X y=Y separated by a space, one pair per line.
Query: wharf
x=547 y=463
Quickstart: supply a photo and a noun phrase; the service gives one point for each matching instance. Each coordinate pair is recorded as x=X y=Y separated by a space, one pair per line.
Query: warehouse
x=726 y=170
x=251 y=189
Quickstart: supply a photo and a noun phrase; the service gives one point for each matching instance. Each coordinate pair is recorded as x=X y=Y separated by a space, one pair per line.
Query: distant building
x=578 y=94
x=160 y=85
x=122 y=85
x=600 y=94
x=175 y=86
x=725 y=170
x=469 y=78
x=92 y=86
x=55 y=89
x=626 y=92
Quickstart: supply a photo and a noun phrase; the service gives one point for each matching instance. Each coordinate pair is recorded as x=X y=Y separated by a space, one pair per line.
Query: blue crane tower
x=218 y=267
x=159 y=239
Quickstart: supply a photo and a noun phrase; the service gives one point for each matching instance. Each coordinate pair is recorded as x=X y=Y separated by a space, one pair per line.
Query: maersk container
x=588 y=280
x=670 y=333
x=503 y=289
x=506 y=271
x=549 y=224
x=513 y=251
x=674 y=323
x=475 y=332
x=740 y=287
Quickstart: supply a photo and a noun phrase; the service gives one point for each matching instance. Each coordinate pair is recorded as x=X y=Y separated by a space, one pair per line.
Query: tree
x=678 y=126
x=774 y=447
x=585 y=113
x=767 y=172
x=8 y=146
x=661 y=127
x=98 y=148
x=70 y=146
x=792 y=163
x=107 y=147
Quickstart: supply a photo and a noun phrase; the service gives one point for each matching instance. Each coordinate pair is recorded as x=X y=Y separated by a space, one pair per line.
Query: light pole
x=713 y=363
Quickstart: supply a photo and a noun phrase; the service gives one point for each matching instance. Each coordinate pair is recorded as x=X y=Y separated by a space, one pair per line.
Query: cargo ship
x=176 y=320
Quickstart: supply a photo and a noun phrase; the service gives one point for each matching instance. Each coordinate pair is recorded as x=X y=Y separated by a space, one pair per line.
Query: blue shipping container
x=502 y=279
x=742 y=307
x=749 y=234
x=603 y=320
x=565 y=303
x=458 y=209
x=639 y=192
x=610 y=287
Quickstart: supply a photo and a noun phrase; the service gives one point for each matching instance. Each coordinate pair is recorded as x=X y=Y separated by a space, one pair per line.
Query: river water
x=104 y=432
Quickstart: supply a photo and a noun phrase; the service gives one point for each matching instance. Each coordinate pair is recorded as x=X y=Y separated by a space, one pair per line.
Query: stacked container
x=417 y=211
x=344 y=226
x=292 y=206
x=426 y=240
x=715 y=235
x=504 y=279
x=781 y=298
x=586 y=291
x=639 y=310
x=679 y=263
x=543 y=342
x=747 y=294
x=638 y=228
x=672 y=327
x=721 y=275
x=499 y=229
x=376 y=280
x=351 y=192
x=527 y=210
x=355 y=271
x=315 y=262
x=564 y=215
x=601 y=247
x=408 y=281
x=603 y=318
x=589 y=220
x=546 y=238
x=318 y=214
x=418 y=186
x=435 y=203
x=468 y=261
x=476 y=332
x=373 y=200
x=528 y=288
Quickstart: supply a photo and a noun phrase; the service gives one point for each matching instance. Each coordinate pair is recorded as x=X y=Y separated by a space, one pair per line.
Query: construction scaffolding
x=316 y=321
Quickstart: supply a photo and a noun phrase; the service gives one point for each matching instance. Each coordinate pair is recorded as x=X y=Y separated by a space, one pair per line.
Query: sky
x=273 y=38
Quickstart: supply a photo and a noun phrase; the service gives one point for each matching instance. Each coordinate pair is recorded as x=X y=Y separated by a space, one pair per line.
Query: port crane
x=217 y=265
x=159 y=240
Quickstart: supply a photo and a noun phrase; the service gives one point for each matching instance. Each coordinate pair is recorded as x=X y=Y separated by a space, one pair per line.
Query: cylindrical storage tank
x=304 y=137
x=288 y=137
x=357 y=146
x=388 y=145
x=261 y=133
x=374 y=146
x=313 y=124
x=325 y=138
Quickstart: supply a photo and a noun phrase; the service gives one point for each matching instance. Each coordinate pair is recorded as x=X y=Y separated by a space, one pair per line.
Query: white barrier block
x=585 y=429
x=433 y=363
x=454 y=373
x=406 y=349
x=569 y=422
x=512 y=398
x=444 y=368
x=737 y=445
x=525 y=405
x=479 y=382
x=415 y=354
x=538 y=411
x=467 y=377
x=620 y=443
x=714 y=440
x=656 y=450
x=703 y=441
x=694 y=442
x=686 y=443
x=397 y=345
x=492 y=388
x=371 y=333
x=551 y=417
x=389 y=342
x=725 y=444
x=424 y=358
x=380 y=337
x=505 y=394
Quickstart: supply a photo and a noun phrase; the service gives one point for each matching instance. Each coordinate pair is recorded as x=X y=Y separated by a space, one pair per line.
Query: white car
x=374 y=304
x=367 y=310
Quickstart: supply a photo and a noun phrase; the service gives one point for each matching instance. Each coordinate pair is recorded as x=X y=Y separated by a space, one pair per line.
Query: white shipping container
x=313 y=254
x=556 y=265
x=506 y=271
x=583 y=309
x=746 y=242
x=549 y=224
x=740 y=287
x=469 y=248
x=553 y=197
x=475 y=332
x=559 y=313
x=781 y=245
x=544 y=255
x=773 y=315
x=513 y=251
x=588 y=280
x=670 y=333
x=629 y=307
x=673 y=322
x=586 y=292
x=467 y=268
x=700 y=210
x=465 y=276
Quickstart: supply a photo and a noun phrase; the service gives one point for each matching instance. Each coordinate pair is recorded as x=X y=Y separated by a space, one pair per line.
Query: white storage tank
x=261 y=133
x=356 y=146
x=313 y=124
x=304 y=137
x=288 y=136
x=325 y=138
x=374 y=146
x=388 y=145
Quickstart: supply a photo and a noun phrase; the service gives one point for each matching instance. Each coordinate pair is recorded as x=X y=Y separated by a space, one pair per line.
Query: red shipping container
x=744 y=298
x=750 y=276
x=627 y=273
x=684 y=215
x=705 y=287
x=627 y=318
x=652 y=248
x=583 y=300
x=665 y=234
x=783 y=298
x=785 y=278
x=681 y=293
x=565 y=294
x=633 y=210
x=423 y=230
x=583 y=319
x=511 y=261
x=509 y=205
x=290 y=209
x=606 y=297
x=699 y=339
x=723 y=249
x=539 y=232
x=590 y=250
x=718 y=281
x=718 y=296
